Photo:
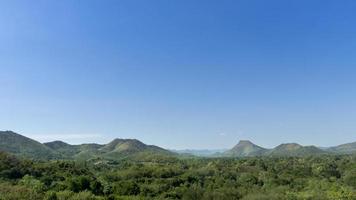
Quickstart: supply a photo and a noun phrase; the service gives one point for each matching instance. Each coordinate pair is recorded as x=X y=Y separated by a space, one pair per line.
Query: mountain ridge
x=23 y=146
x=246 y=148
x=294 y=149
x=344 y=148
x=118 y=148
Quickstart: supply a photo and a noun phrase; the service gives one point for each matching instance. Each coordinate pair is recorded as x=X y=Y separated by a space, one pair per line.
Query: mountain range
x=246 y=148
x=117 y=149
x=199 y=152
x=25 y=147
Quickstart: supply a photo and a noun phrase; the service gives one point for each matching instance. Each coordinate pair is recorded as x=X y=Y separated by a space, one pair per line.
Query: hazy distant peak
x=245 y=142
x=121 y=140
x=289 y=146
x=245 y=148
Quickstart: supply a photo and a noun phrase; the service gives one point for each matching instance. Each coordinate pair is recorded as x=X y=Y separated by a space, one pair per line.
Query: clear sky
x=181 y=73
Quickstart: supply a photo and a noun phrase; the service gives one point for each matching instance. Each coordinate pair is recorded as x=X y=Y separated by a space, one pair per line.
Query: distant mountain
x=56 y=145
x=123 y=148
x=124 y=145
x=115 y=150
x=294 y=149
x=118 y=149
x=245 y=148
x=344 y=148
x=82 y=151
x=25 y=147
x=88 y=151
x=200 y=152
x=63 y=148
x=22 y=146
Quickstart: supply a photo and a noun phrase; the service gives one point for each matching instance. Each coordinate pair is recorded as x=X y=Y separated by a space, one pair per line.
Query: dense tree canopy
x=291 y=178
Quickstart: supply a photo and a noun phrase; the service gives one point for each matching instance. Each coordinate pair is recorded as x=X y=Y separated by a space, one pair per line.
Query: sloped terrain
x=245 y=148
x=25 y=147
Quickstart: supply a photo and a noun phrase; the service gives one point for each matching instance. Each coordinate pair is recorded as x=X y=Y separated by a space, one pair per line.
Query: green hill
x=124 y=145
x=293 y=149
x=125 y=148
x=25 y=147
x=344 y=148
x=245 y=148
x=63 y=148
x=82 y=151
x=115 y=150
x=88 y=151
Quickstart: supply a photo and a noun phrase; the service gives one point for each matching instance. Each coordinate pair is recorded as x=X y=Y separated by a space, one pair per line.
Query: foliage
x=321 y=177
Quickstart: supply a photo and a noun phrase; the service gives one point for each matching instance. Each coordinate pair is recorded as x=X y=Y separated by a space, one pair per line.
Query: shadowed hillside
x=25 y=147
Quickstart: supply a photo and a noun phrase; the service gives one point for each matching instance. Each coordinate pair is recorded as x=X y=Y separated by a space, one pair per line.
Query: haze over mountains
x=131 y=148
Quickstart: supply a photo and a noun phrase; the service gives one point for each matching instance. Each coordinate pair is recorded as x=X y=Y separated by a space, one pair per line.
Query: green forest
x=257 y=178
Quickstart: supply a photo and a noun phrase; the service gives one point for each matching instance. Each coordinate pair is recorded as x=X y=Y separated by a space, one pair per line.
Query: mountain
x=115 y=150
x=57 y=145
x=200 y=152
x=82 y=151
x=25 y=147
x=88 y=151
x=22 y=146
x=124 y=145
x=124 y=148
x=245 y=148
x=118 y=149
x=294 y=149
x=344 y=148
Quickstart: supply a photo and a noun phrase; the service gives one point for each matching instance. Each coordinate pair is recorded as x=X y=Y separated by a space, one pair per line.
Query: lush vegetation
x=129 y=169
x=323 y=177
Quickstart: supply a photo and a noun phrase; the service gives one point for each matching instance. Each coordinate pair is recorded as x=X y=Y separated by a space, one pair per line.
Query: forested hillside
x=25 y=147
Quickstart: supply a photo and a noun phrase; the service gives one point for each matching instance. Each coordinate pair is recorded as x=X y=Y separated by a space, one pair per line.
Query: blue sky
x=179 y=74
